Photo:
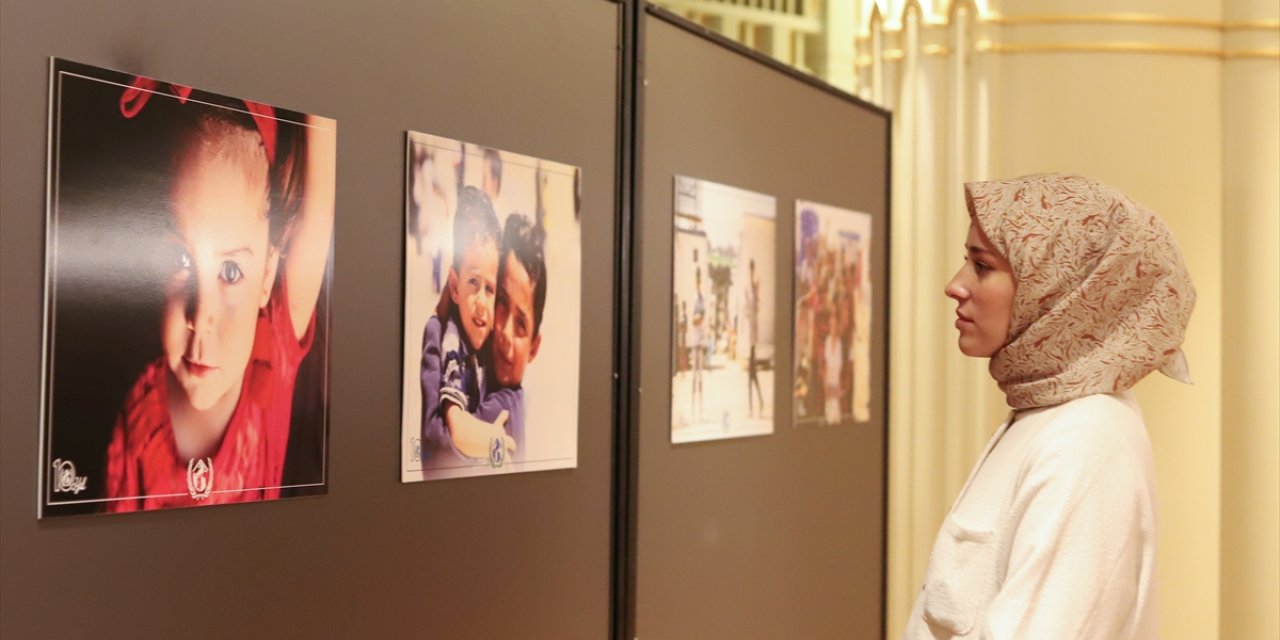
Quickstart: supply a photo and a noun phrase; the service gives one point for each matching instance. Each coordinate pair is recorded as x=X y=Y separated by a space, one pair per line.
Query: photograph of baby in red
x=187 y=269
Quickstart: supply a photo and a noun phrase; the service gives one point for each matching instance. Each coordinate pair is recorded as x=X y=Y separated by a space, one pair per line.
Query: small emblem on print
x=65 y=479
x=417 y=449
x=497 y=453
x=200 y=477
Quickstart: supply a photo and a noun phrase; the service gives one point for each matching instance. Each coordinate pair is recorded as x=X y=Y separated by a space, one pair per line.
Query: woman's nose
x=956 y=289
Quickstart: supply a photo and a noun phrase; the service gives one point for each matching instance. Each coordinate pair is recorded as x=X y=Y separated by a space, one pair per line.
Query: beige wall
x=1174 y=102
x=1196 y=137
x=1148 y=124
x=1250 y=595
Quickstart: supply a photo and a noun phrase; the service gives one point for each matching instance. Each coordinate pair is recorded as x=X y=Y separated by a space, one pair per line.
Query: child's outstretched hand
x=472 y=436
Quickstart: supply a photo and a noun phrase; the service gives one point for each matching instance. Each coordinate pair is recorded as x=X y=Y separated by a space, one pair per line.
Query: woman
x=1076 y=293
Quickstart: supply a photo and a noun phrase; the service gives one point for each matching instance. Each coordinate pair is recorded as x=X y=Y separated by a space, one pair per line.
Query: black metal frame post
x=626 y=441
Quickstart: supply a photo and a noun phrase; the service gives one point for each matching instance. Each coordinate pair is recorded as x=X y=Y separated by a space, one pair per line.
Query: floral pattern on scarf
x=1103 y=295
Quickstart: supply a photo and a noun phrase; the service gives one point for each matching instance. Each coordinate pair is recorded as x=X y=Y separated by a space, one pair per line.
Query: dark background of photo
x=111 y=178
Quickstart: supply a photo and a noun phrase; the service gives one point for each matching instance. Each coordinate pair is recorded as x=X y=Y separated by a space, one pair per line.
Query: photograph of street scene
x=722 y=318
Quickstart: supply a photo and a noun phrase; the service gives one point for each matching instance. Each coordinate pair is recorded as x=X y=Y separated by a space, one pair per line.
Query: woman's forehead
x=977 y=240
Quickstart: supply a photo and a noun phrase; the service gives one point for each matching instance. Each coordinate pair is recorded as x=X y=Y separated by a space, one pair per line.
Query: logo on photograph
x=200 y=477
x=417 y=449
x=497 y=453
x=65 y=479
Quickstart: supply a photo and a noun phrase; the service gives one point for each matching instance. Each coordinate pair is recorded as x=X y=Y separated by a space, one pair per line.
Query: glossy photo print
x=722 y=299
x=188 y=262
x=832 y=377
x=492 y=315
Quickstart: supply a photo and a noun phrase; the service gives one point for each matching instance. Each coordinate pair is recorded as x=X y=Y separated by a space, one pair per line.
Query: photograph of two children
x=492 y=307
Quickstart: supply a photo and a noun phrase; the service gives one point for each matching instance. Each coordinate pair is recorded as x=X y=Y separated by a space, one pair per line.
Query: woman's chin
x=974 y=349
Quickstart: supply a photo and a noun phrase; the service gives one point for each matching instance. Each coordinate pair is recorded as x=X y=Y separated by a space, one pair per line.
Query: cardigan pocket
x=962 y=578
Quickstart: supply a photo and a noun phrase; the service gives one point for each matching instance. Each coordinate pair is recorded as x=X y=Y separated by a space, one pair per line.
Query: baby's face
x=223 y=270
x=473 y=290
x=514 y=343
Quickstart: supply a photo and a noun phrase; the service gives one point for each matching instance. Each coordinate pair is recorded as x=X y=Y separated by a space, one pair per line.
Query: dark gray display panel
x=777 y=536
x=522 y=556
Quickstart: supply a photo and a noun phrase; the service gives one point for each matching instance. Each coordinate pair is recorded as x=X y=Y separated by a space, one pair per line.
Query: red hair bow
x=137 y=94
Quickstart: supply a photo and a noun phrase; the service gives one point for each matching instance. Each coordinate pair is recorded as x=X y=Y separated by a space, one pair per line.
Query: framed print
x=492 y=315
x=722 y=296
x=188 y=270
x=832 y=367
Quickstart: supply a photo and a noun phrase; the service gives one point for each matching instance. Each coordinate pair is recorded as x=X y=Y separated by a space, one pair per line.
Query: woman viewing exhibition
x=1075 y=293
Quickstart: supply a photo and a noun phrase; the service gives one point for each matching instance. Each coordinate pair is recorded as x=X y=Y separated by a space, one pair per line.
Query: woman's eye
x=982 y=267
x=230 y=272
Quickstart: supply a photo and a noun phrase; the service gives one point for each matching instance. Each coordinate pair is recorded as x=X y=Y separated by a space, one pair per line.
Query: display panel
x=722 y=523
x=441 y=557
x=492 y=311
x=187 y=283
x=723 y=291
x=832 y=365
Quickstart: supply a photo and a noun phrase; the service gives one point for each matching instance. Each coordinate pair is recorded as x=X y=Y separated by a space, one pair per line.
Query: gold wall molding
x=1262 y=24
x=1265 y=54
x=987 y=46
x=1142 y=19
x=1130 y=19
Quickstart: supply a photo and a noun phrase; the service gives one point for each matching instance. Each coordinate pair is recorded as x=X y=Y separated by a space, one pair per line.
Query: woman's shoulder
x=1100 y=428
x=1101 y=412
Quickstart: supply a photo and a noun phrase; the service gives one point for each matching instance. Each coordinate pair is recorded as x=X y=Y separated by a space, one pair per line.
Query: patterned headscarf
x=1103 y=296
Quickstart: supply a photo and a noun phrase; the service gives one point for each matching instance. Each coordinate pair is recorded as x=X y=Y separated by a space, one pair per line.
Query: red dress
x=144 y=469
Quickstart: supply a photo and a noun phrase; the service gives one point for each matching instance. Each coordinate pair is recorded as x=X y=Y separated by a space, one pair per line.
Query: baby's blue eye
x=230 y=272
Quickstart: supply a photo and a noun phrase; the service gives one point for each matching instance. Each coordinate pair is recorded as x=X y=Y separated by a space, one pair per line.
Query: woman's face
x=983 y=290
x=223 y=271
